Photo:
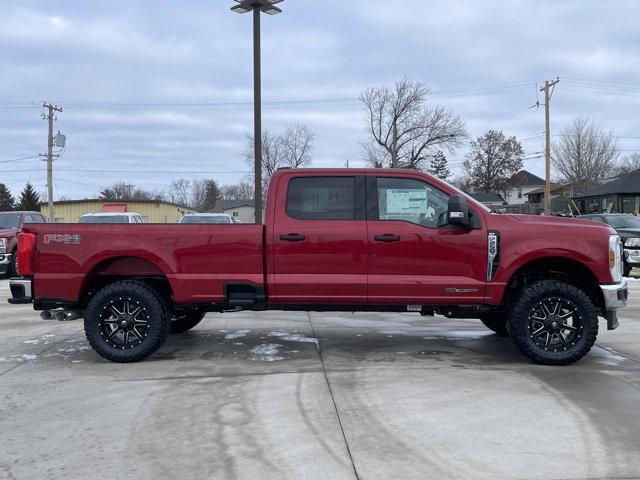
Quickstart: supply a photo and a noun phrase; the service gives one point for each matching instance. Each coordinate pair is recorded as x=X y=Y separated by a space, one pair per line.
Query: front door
x=412 y=260
x=320 y=240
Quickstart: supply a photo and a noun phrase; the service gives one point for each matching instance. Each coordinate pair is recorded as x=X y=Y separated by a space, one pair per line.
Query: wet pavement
x=276 y=395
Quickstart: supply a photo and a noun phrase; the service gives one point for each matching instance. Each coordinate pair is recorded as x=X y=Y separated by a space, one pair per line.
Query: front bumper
x=5 y=261
x=21 y=290
x=615 y=297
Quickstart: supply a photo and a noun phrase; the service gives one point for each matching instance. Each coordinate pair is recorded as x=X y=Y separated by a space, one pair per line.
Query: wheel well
x=555 y=268
x=125 y=268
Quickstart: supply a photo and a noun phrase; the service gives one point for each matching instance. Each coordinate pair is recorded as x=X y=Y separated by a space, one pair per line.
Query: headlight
x=3 y=245
x=632 y=242
x=615 y=258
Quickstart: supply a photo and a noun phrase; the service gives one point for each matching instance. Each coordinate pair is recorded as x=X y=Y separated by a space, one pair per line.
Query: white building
x=522 y=183
x=241 y=210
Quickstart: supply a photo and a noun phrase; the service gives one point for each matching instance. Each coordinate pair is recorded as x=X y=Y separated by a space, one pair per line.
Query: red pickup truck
x=10 y=226
x=337 y=240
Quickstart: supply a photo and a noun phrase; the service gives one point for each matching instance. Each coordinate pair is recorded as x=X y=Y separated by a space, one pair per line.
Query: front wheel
x=553 y=323
x=184 y=322
x=127 y=321
x=627 y=269
x=13 y=266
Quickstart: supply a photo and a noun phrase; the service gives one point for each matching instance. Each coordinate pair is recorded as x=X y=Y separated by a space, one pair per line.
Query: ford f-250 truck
x=337 y=240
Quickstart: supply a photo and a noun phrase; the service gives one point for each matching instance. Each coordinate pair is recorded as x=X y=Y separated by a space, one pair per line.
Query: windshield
x=104 y=219
x=205 y=219
x=624 y=222
x=9 y=220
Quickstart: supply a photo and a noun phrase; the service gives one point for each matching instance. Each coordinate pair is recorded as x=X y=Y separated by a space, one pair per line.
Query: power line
x=19 y=159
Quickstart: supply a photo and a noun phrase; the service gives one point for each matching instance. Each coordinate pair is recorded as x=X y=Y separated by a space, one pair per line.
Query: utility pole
x=257 y=116
x=50 y=117
x=548 y=92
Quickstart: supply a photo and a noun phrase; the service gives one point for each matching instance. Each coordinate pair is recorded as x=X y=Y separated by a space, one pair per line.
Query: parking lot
x=330 y=396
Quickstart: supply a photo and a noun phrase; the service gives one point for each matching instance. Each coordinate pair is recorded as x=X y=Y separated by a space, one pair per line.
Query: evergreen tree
x=7 y=202
x=438 y=166
x=29 y=199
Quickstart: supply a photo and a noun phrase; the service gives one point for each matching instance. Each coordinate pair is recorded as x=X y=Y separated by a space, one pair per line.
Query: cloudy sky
x=157 y=90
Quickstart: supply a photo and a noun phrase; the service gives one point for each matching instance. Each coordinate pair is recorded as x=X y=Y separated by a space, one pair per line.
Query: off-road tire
x=519 y=322
x=185 y=322
x=156 y=308
x=496 y=322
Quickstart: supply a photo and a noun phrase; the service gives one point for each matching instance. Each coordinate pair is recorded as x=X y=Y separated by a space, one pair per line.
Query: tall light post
x=257 y=6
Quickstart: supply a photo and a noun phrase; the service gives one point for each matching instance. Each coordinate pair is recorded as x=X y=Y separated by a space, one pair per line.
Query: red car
x=339 y=240
x=10 y=226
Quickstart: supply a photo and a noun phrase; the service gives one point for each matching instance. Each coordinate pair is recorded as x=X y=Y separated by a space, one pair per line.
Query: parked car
x=628 y=227
x=208 y=218
x=10 y=226
x=335 y=239
x=127 y=217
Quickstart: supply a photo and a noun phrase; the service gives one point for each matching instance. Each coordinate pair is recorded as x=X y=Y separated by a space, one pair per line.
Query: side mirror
x=458 y=212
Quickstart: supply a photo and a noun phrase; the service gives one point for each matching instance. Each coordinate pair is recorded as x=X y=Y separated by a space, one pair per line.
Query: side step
x=245 y=296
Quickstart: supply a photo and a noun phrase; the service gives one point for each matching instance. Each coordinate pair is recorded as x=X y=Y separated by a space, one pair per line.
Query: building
x=242 y=210
x=152 y=211
x=621 y=195
x=521 y=184
x=491 y=200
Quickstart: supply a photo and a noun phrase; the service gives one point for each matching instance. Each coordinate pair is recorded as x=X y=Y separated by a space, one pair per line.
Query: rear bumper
x=615 y=297
x=21 y=290
x=5 y=261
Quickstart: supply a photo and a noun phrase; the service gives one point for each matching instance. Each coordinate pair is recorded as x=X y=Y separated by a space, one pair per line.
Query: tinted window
x=321 y=198
x=205 y=219
x=9 y=220
x=105 y=219
x=27 y=219
x=410 y=200
x=624 y=222
x=38 y=219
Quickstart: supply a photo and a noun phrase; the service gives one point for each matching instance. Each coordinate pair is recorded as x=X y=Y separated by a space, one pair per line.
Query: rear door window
x=322 y=198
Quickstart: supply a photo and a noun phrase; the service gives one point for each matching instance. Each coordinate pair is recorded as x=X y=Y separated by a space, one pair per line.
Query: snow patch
x=293 y=337
x=267 y=352
x=236 y=334
x=24 y=357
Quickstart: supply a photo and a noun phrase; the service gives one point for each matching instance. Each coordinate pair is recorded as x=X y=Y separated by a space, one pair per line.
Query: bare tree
x=630 y=163
x=291 y=149
x=127 y=191
x=240 y=191
x=180 y=191
x=297 y=145
x=492 y=161
x=403 y=130
x=584 y=154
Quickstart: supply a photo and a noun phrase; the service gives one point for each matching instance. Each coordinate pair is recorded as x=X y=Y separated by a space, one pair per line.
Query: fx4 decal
x=67 y=239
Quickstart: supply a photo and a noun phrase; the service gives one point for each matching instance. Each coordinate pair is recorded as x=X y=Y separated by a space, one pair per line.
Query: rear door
x=319 y=240
x=411 y=259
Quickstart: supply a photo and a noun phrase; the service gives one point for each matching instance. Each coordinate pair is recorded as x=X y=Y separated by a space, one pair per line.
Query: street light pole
x=257 y=116
x=257 y=7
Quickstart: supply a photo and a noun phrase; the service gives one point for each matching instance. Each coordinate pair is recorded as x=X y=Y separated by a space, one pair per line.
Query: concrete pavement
x=251 y=396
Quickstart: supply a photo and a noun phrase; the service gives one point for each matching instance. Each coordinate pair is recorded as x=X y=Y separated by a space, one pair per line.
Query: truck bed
x=196 y=259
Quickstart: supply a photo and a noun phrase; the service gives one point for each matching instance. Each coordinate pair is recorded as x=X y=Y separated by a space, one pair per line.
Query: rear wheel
x=185 y=321
x=553 y=323
x=127 y=321
x=496 y=322
x=626 y=269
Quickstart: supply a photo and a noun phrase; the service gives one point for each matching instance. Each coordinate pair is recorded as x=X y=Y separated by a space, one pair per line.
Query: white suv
x=128 y=217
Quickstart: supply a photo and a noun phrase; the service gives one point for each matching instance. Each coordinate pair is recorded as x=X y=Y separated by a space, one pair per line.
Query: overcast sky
x=166 y=86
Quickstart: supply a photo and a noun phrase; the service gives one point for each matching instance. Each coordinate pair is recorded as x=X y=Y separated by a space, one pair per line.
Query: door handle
x=386 y=238
x=292 y=237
